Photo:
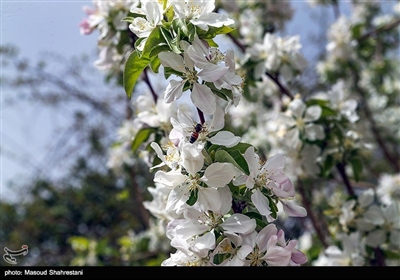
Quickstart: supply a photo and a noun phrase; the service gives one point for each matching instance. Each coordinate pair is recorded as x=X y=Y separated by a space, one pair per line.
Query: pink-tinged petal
x=239 y=223
x=285 y=189
x=298 y=107
x=264 y=235
x=173 y=60
x=298 y=257
x=203 y=98
x=219 y=174
x=312 y=113
x=314 y=132
x=292 y=209
x=176 y=136
x=277 y=256
x=212 y=72
x=261 y=203
x=225 y=138
x=173 y=91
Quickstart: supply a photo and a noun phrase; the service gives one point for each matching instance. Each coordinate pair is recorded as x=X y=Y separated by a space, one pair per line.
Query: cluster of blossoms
x=113 y=41
x=217 y=195
x=370 y=221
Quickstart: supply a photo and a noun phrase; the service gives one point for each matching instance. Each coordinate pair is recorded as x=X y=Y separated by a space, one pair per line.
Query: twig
x=346 y=181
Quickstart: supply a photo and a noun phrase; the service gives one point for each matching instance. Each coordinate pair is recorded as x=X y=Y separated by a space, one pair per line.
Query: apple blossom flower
x=198 y=229
x=220 y=68
x=299 y=120
x=352 y=253
x=270 y=176
x=183 y=128
x=201 y=95
x=266 y=249
x=153 y=11
x=216 y=175
x=200 y=13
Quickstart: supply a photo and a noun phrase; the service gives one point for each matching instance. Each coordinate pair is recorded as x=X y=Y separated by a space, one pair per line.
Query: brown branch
x=393 y=159
x=380 y=29
x=144 y=215
x=311 y=214
x=147 y=81
x=282 y=88
x=346 y=181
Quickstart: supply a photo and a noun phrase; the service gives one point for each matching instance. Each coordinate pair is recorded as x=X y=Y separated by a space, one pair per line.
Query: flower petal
x=219 y=174
x=239 y=223
x=225 y=138
x=203 y=98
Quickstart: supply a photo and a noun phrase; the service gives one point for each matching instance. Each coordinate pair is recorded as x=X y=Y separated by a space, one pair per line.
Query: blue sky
x=35 y=27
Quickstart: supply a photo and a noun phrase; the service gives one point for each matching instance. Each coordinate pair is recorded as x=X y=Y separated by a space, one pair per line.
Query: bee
x=195 y=134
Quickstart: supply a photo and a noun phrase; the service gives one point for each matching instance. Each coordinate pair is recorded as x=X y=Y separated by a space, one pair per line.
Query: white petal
x=252 y=161
x=192 y=159
x=212 y=72
x=374 y=215
x=209 y=199
x=275 y=162
x=297 y=106
x=171 y=59
x=376 y=238
x=314 y=132
x=261 y=203
x=225 y=138
x=170 y=179
x=203 y=98
x=312 y=113
x=173 y=91
x=219 y=174
x=218 y=121
x=239 y=223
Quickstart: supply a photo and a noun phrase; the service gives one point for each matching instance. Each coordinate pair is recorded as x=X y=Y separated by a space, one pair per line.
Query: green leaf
x=128 y=19
x=172 y=43
x=212 y=32
x=357 y=166
x=134 y=67
x=327 y=166
x=193 y=197
x=356 y=30
x=242 y=147
x=234 y=157
x=258 y=218
x=142 y=136
x=179 y=26
x=169 y=13
x=155 y=64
